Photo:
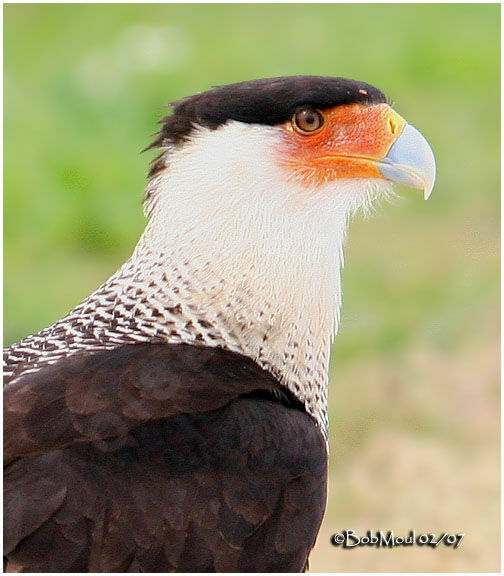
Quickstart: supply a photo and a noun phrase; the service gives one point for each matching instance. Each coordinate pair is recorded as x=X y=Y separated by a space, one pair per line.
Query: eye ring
x=308 y=120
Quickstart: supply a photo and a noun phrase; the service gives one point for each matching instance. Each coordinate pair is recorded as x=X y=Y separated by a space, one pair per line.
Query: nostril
x=392 y=126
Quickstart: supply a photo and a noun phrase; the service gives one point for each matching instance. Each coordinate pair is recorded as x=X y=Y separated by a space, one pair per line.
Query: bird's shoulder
x=94 y=396
x=237 y=486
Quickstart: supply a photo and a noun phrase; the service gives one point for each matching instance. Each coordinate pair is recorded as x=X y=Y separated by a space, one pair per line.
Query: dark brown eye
x=308 y=120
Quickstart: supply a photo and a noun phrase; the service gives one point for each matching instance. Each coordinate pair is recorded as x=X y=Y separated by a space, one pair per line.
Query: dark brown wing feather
x=158 y=458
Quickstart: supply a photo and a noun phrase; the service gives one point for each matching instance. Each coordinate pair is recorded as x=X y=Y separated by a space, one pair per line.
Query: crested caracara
x=176 y=419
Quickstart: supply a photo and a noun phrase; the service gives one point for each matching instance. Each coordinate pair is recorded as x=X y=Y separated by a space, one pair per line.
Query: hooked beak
x=410 y=161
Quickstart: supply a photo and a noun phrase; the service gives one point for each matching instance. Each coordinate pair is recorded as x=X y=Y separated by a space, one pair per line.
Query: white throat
x=254 y=254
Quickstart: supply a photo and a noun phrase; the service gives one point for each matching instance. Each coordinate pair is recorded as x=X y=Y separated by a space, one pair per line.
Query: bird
x=176 y=419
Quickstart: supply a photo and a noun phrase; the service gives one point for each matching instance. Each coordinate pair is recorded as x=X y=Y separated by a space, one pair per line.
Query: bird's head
x=310 y=132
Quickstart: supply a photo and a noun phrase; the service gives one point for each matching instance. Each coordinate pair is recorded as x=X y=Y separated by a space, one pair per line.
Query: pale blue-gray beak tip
x=410 y=161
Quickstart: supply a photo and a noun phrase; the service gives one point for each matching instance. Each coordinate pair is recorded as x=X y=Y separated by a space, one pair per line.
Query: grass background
x=415 y=370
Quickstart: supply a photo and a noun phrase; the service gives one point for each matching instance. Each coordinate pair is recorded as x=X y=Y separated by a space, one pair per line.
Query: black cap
x=266 y=101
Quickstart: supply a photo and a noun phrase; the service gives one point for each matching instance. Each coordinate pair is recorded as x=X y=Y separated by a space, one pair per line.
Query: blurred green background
x=415 y=369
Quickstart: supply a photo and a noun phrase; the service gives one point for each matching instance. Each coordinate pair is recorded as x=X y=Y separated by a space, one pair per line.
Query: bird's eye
x=308 y=120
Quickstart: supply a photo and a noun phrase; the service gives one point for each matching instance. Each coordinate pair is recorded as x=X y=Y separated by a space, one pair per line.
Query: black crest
x=267 y=101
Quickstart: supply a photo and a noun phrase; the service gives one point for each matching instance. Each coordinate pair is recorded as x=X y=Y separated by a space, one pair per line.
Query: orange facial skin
x=353 y=139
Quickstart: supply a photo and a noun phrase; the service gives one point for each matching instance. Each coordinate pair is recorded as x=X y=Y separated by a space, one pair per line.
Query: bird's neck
x=261 y=278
